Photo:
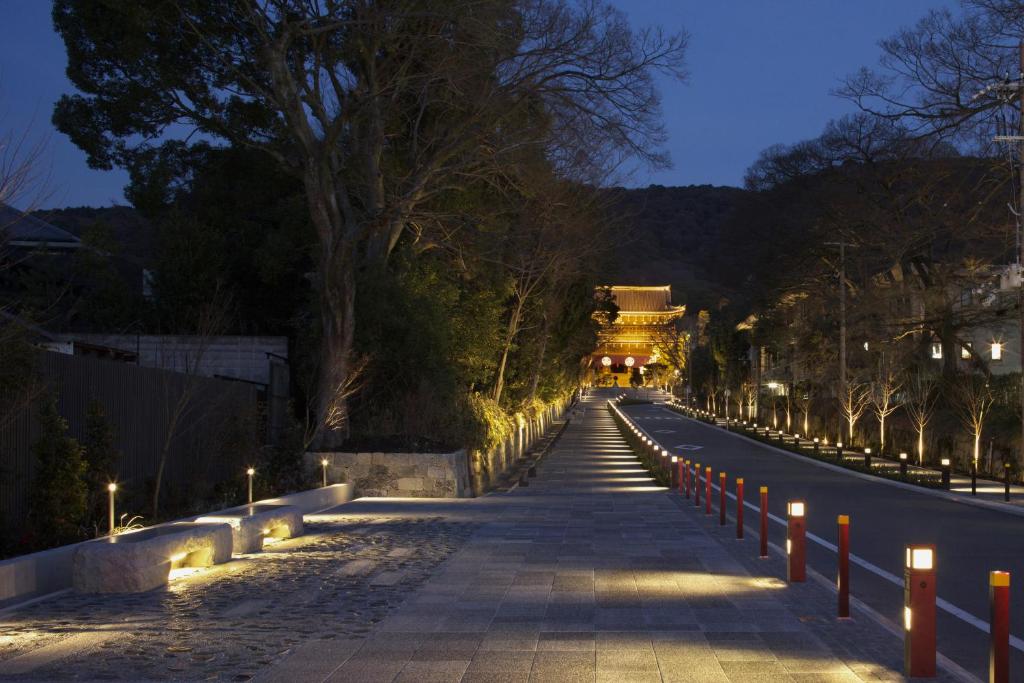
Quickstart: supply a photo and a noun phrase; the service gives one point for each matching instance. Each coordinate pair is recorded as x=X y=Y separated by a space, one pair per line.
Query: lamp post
x=323 y=464
x=111 y=490
x=250 y=472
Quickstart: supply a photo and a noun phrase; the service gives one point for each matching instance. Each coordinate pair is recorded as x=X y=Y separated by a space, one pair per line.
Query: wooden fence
x=214 y=426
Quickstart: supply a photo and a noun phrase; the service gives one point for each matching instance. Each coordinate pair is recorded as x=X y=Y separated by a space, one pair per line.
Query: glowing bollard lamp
x=721 y=498
x=919 y=612
x=903 y=465
x=707 y=490
x=696 y=484
x=674 y=481
x=999 y=620
x=867 y=458
x=111 y=490
x=323 y=464
x=843 y=580
x=250 y=472
x=739 y=508
x=796 y=541
x=945 y=473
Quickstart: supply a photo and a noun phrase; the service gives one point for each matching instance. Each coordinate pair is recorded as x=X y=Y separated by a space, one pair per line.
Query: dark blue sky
x=760 y=74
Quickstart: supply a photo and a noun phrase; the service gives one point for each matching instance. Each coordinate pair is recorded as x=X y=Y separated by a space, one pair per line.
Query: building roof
x=642 y=299
x=21 y=229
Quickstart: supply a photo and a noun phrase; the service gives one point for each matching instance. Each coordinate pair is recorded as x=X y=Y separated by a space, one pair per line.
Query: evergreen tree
x=58 y=499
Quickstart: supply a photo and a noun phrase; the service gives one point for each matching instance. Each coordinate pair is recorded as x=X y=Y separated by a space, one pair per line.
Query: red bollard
x=739 y=508
x=686 y=476
x=696 y=484
x=843 y=582
x=764 y=522
x=721 y=498
x=999 y=620
x=679 y=473
x=707 y=490
x=796 y=541
x=919 y=612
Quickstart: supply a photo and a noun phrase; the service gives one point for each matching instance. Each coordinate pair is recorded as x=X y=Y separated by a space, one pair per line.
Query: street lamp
x=323 y=463
x=250 y=472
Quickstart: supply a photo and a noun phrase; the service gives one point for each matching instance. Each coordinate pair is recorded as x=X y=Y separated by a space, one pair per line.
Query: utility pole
x=842 y=314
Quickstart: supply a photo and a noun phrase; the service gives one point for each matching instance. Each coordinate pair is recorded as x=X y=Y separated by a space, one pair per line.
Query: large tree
x=377 y=107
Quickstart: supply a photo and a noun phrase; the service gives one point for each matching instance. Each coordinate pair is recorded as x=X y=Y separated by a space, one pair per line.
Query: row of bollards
x=919 y=602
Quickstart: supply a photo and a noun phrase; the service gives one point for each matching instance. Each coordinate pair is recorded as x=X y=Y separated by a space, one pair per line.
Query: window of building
x=936 y=350
x=965 y=351
x=997 y=351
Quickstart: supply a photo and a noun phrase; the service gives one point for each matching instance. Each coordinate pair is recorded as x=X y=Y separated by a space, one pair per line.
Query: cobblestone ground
x=230 y=621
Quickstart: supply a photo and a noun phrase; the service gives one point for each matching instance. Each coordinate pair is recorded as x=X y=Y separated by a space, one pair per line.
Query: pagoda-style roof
x=633 y=298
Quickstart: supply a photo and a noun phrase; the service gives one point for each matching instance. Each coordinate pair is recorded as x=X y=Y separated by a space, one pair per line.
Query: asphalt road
x=969 y=541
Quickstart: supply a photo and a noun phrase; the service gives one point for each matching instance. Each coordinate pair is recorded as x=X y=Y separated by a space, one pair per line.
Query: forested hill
x=669 y=235
x=675 y=235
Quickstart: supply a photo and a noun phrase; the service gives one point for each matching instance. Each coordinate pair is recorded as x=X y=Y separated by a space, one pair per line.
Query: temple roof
x=642 y=299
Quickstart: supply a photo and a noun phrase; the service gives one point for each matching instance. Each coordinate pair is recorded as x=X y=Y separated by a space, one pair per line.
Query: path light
x=903 y=464
x=796 y=551
x=250 y=472
x=323 y=463
x=111 y=490
x=919 y=612
x=945 y=473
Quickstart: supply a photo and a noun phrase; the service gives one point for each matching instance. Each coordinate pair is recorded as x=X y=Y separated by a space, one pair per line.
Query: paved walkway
x=590 y=573
x=594 y=573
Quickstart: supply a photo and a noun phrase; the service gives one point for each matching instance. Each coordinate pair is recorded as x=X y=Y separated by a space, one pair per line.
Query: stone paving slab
x=593 y=573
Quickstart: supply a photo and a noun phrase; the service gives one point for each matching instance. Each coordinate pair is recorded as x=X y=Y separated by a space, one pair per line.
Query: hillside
x=673 y=235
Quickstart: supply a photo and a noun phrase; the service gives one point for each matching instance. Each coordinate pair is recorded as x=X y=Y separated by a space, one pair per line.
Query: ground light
x=111 y=490
x=250 y=472
x=323 y=463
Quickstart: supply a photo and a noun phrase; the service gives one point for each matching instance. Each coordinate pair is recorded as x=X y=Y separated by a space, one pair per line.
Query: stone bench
x=142 y=560
x=250 y=524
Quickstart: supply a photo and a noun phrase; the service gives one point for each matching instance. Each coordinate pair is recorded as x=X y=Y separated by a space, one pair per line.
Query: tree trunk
x=510 y=336
x=540 y=360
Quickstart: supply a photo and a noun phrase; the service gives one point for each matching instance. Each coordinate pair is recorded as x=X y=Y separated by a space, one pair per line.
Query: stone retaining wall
x=408 y=475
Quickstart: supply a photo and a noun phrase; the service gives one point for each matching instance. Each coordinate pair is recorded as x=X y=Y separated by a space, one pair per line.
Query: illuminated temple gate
x=629 y=343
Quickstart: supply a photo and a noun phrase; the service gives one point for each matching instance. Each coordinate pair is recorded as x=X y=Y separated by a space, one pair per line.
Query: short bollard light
x=796 y=548
x=675 y=481
x=707 y=490
x=323 y=464
x=867 y=458
x=919 y=612
x=903 y=465
x=945 y=473
x=721 y=498
x=843 y=579
x=739 y=508
x=764 y=522
x=816 y=445
x=250 y=472
x=999 y=627
x=111 y=490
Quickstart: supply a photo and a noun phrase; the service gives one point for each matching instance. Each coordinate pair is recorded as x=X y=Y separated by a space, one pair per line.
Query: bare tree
x=180 y=397
x=376 y=107
x=852 y=405
x=920 y=405
x=972 y=398
x=884 y=400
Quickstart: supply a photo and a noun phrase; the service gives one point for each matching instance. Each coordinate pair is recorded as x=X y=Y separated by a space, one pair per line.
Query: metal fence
x=212 y=426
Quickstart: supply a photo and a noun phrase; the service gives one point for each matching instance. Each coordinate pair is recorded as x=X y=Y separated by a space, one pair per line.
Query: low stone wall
x=27 y=577
x=407 y=475
x=489 y=466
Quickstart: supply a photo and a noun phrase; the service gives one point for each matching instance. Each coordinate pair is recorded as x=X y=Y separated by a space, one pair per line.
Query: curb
x=952 y=497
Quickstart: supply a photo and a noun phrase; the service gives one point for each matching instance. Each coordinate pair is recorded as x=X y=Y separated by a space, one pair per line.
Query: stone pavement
x=590 y=573
x=593 y=573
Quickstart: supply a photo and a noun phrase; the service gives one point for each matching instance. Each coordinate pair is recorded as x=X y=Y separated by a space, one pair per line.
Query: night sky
x=761 y=73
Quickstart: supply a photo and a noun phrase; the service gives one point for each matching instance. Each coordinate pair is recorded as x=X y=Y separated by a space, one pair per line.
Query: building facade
x=628 y=343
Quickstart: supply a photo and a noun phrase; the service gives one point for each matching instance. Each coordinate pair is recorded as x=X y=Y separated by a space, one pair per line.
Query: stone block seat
x=142 y=560
x=250 y=524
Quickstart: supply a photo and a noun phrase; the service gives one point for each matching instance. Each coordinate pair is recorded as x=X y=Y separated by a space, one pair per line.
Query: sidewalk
x=593 y=573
